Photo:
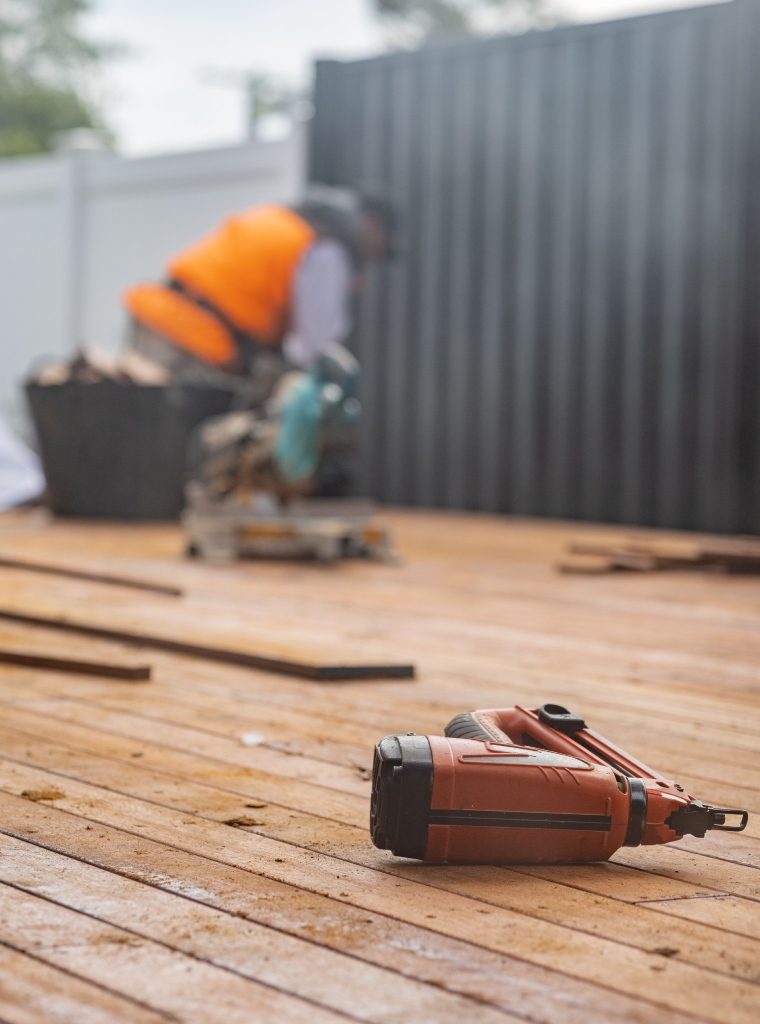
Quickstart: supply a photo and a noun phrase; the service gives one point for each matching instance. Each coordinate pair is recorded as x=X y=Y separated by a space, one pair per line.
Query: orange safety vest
x=244 y=270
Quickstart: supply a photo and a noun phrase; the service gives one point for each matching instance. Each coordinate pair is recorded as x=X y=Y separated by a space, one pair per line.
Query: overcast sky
x=162 y=97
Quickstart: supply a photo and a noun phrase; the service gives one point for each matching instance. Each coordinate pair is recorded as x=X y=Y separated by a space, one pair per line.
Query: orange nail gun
x=515 y=786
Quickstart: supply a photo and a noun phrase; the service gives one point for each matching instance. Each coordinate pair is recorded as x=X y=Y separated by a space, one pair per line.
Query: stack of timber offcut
x=194 y=847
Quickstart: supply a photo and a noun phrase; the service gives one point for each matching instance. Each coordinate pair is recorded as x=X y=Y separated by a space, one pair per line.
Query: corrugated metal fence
x=572 y=331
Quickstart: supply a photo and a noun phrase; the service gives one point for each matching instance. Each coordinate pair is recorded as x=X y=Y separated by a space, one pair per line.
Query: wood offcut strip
x=131 y=673
x=90 y=577
x=299 y=669
x=729 y=556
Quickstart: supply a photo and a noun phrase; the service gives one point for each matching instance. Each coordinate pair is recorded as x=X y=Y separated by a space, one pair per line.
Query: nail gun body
x=519 y=786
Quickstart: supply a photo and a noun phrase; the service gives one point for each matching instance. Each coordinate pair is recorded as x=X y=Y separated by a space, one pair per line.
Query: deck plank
x=500 y=980
x=297 y=911
x=580 y=907
x=34 y=992
x=131 y=965
x=242 y=947
x=545 y=943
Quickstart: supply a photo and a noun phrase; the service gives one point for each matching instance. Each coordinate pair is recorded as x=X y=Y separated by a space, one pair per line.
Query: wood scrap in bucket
x=90 y=365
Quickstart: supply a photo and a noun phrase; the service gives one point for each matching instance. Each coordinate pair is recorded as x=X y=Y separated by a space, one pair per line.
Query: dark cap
x=385 y=212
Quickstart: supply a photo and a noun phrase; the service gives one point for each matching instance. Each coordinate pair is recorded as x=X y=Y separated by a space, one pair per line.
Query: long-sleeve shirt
x=320 y=303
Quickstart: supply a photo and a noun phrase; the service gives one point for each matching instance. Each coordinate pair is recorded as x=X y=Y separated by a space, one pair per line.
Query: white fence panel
x=78 y=229
x=32 y=278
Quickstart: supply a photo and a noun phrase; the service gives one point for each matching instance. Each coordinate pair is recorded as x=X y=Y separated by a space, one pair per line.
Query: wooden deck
x=128 y=895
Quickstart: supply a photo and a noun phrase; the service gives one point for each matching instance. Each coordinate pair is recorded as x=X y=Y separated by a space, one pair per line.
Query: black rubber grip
x=466 y=727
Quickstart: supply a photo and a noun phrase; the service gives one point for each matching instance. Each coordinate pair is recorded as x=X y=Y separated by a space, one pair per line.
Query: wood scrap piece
x=596 y=559
x=586 y=565
x=51 y=663
x=91 y=577
x=634 y=556
x=729 y=554
x=582 y=547
x=246 y=659
x=633 y=560
x=736 y=555
x=638 y=553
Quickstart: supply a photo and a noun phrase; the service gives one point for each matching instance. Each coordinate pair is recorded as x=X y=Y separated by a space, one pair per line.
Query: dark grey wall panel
x=574 y=328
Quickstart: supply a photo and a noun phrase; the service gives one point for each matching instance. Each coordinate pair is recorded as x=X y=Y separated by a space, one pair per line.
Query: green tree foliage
x=46 y=69
x=416 y=22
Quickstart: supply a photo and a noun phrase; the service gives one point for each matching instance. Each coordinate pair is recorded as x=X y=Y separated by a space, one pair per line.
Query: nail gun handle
x=552 y=727
x=516 y=725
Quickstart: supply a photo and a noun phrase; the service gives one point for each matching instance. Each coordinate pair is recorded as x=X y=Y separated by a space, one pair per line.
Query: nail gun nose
x=696 y=818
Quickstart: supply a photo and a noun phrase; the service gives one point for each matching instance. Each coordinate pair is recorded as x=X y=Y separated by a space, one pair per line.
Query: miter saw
x=275 y=481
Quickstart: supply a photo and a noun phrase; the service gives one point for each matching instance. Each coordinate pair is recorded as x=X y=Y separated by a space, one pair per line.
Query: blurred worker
x=270 y=288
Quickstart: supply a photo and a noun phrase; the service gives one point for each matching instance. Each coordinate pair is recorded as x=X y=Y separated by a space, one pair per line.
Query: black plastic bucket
x=118 y=451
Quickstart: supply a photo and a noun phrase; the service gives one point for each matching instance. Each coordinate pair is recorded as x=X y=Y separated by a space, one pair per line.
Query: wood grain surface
x=197 y=849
